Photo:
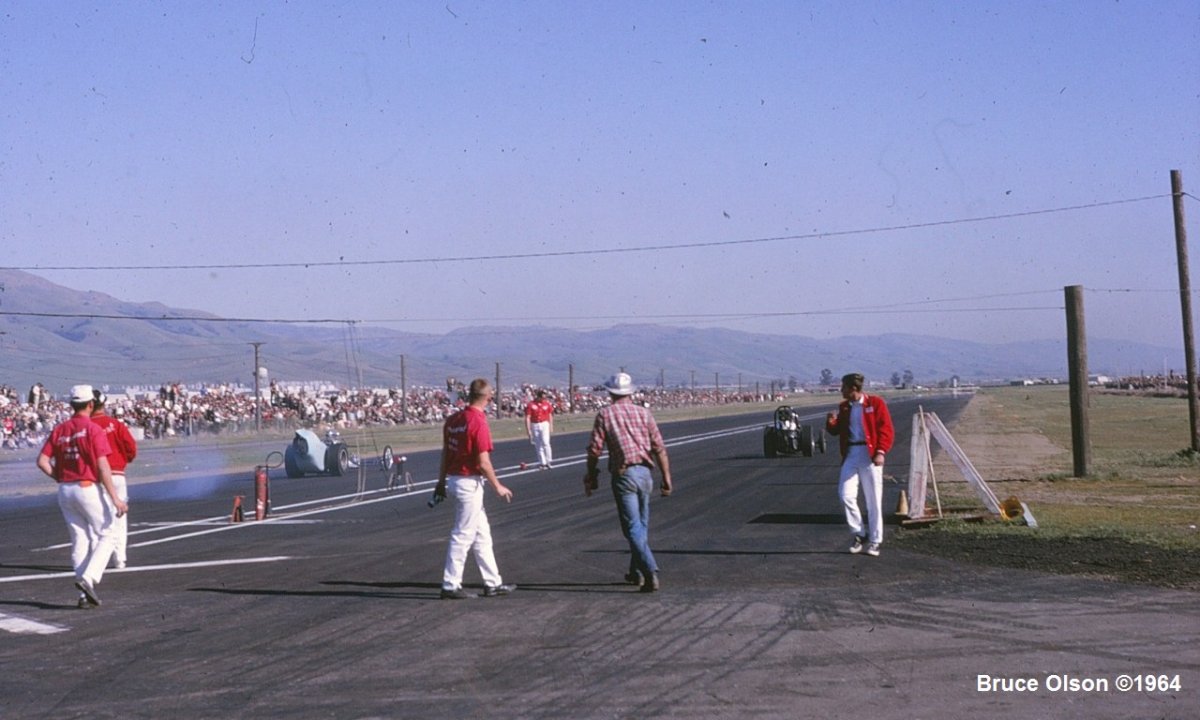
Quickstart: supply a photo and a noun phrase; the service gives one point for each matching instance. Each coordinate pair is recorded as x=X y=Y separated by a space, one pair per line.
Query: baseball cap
x=82 y=394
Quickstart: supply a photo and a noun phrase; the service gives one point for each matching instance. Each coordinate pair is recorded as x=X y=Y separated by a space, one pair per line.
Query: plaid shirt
x=629 y=433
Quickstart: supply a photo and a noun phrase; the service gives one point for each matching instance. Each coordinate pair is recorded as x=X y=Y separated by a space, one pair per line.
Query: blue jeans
x=632 y=490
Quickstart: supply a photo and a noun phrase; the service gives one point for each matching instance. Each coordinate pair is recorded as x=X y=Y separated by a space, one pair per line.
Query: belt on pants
x=864 y=442
x=630 y=465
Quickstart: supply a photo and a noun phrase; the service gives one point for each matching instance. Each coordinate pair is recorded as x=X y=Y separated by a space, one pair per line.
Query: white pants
x=471 y=533
x=121 y=524
x=541 y=441
x=90 y=517
x=855 y=468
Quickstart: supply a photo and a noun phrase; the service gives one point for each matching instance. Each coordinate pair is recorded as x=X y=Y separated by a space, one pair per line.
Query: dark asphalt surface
x=329 y=609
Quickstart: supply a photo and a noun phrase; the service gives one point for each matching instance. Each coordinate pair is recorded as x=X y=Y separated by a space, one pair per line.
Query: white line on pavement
x=149 y=568
x=23 y=626
x=343 y=502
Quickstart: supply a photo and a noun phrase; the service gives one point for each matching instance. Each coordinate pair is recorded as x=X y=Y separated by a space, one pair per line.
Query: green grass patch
x=1133 y=518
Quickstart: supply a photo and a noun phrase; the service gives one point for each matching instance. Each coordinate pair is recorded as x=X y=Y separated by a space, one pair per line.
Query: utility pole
x=403 y=392
x=497 y=391
x=570 y=387
x=1185 y=301
x=1077 y=369
x=257 y=390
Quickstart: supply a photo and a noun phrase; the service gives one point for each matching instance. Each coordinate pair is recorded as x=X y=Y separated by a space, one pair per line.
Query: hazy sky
x=789 y=145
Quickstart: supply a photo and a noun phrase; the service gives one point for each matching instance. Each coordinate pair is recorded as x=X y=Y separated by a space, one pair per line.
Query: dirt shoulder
x=1015 y=458
x=1009 y=449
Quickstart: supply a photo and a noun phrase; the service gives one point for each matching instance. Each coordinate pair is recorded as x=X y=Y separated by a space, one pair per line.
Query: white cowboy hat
x=620 y=384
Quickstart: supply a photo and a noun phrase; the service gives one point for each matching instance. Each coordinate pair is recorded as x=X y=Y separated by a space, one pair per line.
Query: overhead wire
x=351 y=340
x=594 y=251
x=690 y=317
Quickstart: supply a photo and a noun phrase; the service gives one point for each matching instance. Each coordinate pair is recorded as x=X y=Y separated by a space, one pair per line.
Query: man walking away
x=631 y=436
x=124 y=450
x=75 y=456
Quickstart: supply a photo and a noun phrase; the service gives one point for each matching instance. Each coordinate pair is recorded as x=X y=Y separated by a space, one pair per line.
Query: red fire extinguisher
x=262 y=492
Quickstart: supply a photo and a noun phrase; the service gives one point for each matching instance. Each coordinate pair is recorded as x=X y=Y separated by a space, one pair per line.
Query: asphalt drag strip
x=339 y=616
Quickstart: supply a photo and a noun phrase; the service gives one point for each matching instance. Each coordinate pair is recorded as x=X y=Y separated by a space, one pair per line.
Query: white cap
x=82 y=394
x=620 y=384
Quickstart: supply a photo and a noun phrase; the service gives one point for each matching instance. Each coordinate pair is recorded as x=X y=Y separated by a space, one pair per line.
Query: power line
x=598 y=251
x=661 y=316
x=168 y=318
x=911 y=307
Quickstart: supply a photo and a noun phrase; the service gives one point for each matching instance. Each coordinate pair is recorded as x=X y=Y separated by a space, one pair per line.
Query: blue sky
x=764 y=136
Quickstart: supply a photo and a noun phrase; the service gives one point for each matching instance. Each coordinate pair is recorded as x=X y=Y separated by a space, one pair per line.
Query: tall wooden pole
x=1077 y=369
x=1185 y=300
x=497 y=391
x=571 y=387
x=403 y=392
x=257 y=390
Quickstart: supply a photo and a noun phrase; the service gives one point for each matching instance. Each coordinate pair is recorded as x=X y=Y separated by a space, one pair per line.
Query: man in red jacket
x=864 y=429
x=124 y=450
x=466 y=469
x=75 y=456
x=539 y=424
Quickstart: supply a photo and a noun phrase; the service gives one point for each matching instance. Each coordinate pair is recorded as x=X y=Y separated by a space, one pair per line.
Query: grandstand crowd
x=175 y=409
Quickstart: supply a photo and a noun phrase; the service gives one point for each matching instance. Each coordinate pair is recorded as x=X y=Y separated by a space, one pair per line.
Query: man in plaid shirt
x=631 y=436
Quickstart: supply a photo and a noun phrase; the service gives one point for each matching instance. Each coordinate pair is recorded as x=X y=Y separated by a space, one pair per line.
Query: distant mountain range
x=59 y=336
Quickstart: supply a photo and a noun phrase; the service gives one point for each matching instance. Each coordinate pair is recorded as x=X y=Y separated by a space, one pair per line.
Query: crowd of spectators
x=1166 y=385
x=175 y=409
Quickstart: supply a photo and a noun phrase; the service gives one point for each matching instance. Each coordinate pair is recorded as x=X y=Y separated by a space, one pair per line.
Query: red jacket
x=877 y=424
x=539 y=411
x=465 y=436
x=74 y=448
x=124 y=448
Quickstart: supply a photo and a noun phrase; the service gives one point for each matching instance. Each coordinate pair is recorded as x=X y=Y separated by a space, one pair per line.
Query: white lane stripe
x=149 y=568
x=23 y=626
x=358 y=498
x=225 y=521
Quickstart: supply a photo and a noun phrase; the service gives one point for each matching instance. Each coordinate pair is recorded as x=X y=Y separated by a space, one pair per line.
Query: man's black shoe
x=498 y=590
x=88 y=589
x=633 y=577
x=458 y=594
x=651 y=584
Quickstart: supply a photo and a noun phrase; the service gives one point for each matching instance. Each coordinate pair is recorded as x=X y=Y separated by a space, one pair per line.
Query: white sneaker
x=857 y=547
x=873 y=549
x=119 y=565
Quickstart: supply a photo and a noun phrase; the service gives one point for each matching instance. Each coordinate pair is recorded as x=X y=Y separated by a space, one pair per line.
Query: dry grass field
x=1134 y=518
